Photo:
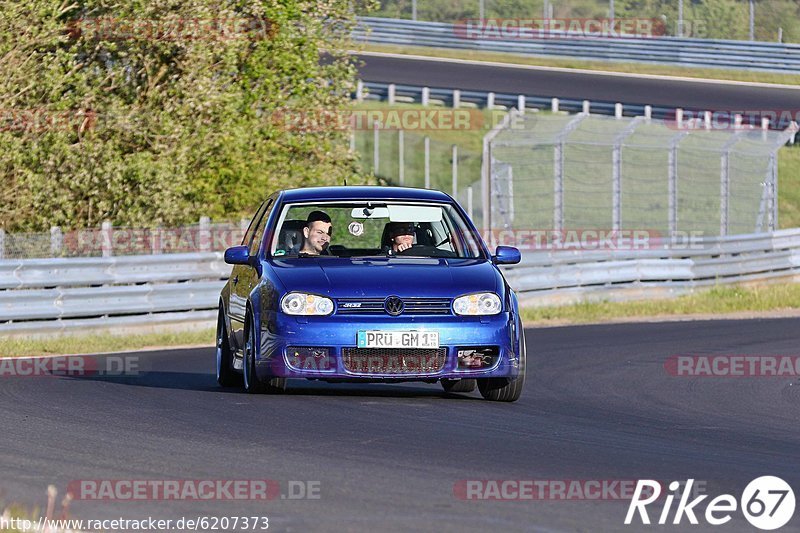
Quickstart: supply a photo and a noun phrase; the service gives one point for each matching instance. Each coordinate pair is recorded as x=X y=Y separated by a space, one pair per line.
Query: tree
x=155 y=111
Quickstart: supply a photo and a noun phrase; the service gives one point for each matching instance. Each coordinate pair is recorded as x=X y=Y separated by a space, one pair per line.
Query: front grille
x=374 y=306
x=394 y=361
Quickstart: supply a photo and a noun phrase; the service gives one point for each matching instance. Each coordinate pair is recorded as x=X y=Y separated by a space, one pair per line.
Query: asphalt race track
x=599 y=405
x=583 y=86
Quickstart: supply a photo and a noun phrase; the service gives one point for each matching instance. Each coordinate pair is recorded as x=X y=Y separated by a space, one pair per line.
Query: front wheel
x=506 y=389
x=226 y=376
x=252 y=384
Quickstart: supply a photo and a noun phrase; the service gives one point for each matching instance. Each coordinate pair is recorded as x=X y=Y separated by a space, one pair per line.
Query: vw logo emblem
x=393 y=305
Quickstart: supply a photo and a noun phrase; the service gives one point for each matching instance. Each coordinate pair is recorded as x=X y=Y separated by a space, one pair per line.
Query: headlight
x=483 y=303
x=300 y=303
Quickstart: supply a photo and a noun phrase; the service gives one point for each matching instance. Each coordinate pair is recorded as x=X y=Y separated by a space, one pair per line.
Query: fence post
x=672 y=185
x=558 y=171
x=521 y=103
x=426 y=95
x=2 y=243
x=107 y=232
x=724 y=180
x=155 y=241
x=359 y=91
x=586 y=106
x=375 y=147
x=618 y=110
x=616 y=187
x=490 y=101
x=56 y=241
x=204 y=234
x=391 y=93
x=401 y=156
x=427 y=162
x=648 y=112
x=469 y=201
x=773 y=189
x=455 y=170
x=616 y=170
x=724 y=193
x=456 y=98
x=554 y=105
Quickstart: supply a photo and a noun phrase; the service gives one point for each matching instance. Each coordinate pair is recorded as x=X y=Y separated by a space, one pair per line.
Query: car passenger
x=316 y=234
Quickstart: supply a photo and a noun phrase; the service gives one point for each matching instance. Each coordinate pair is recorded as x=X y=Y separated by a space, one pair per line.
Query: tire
x=226 y=376
x=252 y=384
x=459 y=385
x=506 y=389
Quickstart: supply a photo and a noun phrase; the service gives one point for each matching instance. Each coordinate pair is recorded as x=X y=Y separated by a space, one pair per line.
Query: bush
x=160 y=110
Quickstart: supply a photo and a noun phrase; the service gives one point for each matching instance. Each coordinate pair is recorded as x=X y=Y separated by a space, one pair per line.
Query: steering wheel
x=424 y=250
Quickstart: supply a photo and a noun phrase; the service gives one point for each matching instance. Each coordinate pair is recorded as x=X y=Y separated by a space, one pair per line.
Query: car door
x=241 y=276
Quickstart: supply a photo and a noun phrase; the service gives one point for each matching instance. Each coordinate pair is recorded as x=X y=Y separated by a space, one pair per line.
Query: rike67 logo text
x=767 y=503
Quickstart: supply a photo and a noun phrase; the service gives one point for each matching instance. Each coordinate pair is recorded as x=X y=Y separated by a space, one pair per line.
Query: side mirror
x=506 y=255
x=237 y=255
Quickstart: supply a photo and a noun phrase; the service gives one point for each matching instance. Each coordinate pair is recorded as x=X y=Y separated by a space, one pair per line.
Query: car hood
x=380 y=277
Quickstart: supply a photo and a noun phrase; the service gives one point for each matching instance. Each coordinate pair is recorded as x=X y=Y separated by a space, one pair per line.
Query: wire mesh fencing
x=554 y=171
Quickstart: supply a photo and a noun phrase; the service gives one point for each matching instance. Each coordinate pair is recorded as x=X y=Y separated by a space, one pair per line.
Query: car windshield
x=376 y=228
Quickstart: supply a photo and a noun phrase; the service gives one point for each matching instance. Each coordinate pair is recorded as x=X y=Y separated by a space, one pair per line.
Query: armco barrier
x=414 y=94
x=564 y=276
x=48 y=295
x=42 y=295
x=759 y=56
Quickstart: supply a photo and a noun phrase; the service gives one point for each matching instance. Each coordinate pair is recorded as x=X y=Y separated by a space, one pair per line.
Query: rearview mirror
x=237 y=255
x=369 y=212
x=506 y=255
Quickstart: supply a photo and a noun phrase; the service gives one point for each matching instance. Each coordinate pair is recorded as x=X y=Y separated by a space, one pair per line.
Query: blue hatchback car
x=369 y=284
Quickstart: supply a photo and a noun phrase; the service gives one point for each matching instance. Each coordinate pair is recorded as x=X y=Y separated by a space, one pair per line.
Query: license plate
x=398 y=339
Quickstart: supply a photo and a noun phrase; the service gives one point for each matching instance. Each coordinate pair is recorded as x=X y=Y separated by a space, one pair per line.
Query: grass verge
x=630 y=68
x=716 y=302
x=92 y=344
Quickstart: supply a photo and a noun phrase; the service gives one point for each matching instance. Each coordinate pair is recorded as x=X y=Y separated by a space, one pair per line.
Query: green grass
x=96 y=343
x=631 y=68
x=717 y=301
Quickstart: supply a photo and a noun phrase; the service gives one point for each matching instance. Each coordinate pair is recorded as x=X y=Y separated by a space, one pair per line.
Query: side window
x=248 y=235
x=258 y=234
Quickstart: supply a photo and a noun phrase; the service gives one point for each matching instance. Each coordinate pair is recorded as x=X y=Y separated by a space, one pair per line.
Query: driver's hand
x=403 y=247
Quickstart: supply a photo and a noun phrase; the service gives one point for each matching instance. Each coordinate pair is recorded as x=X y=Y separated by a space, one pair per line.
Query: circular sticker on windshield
x=356 y=228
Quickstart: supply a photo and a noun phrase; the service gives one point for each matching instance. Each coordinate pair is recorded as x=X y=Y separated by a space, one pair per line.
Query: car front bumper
x=282 y=335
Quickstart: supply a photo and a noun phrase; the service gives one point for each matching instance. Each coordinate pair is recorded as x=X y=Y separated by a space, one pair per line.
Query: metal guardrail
x=564 y=276
x=53 y=295
x=757 y=56
x=445 y=96
x=81 y=293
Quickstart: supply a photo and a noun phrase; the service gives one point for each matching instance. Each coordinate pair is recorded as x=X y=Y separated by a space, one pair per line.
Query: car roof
x=363 y=193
